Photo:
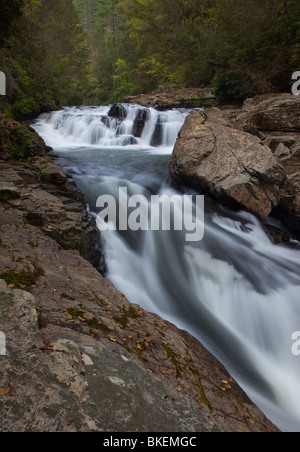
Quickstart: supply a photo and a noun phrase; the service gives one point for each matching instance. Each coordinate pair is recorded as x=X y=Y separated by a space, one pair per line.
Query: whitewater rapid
x=235 y=290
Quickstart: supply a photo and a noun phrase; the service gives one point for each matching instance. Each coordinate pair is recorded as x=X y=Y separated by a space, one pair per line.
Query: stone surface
x=76 y=383
x=271 y=113
x=172 y=96
x=290 y=160
x=231 y=164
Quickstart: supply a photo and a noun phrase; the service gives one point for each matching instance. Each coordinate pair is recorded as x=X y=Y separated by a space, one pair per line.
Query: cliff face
x=79 y=356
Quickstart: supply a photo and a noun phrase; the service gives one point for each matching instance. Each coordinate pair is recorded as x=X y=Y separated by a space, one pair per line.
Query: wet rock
x=129 y=140
x=139 y=122
x=118 y=111
x=157 y=136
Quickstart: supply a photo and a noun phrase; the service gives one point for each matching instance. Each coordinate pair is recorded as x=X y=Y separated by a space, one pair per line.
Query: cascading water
x=234 y=290
x=112 y=126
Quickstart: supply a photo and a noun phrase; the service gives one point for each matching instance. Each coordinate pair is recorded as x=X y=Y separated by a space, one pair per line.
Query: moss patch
x=93 y=323
x=171 y=356
x=22 y=279
x=67 y=297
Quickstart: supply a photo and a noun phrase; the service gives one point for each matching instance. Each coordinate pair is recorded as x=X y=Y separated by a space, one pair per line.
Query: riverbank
x=80 y=357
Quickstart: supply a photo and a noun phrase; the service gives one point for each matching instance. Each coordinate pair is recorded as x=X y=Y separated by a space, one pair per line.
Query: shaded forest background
x=75 y=52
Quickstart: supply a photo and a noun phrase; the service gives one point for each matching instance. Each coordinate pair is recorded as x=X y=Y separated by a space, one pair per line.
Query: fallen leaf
x=4 y=392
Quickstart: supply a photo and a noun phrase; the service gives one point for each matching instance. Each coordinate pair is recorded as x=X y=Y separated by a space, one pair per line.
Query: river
x=235 y=290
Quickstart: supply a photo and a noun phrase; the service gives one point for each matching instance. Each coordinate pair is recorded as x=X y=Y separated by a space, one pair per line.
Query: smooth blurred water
x=234 y=290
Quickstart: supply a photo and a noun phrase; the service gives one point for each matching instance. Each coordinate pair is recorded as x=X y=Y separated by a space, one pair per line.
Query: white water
x=92 y=126
x=235 y=290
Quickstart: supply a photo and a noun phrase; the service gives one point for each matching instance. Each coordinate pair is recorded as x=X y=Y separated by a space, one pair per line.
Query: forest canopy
x=62 y=52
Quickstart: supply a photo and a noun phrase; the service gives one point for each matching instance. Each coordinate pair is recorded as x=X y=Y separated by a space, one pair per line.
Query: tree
x=10 y=10
x=46 y=60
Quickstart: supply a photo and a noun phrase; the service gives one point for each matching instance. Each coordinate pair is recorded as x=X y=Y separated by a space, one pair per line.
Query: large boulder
x=227 y=162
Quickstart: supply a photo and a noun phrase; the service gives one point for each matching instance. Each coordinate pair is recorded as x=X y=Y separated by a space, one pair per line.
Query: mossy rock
x=23 y=279
x=19 y=141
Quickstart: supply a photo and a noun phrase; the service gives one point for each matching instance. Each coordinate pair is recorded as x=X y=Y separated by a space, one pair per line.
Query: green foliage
x=46 y=61
x=244 y=46
x=21 y=147
x=63 y=52
x=10 y=11
x=229 y=86
x=42 y=175
x=22 y=279
x=122 y=81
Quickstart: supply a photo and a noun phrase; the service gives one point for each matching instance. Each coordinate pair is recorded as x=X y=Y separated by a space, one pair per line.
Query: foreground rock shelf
x=79 y=356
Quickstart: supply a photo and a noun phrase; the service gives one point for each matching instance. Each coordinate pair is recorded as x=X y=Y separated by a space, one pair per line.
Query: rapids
x=234 y=290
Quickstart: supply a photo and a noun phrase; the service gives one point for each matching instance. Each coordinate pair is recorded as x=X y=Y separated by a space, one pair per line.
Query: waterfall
x=235 y=290
x=117 y=125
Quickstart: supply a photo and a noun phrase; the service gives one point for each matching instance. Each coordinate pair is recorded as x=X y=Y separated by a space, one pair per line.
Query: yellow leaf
x=4 y=392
